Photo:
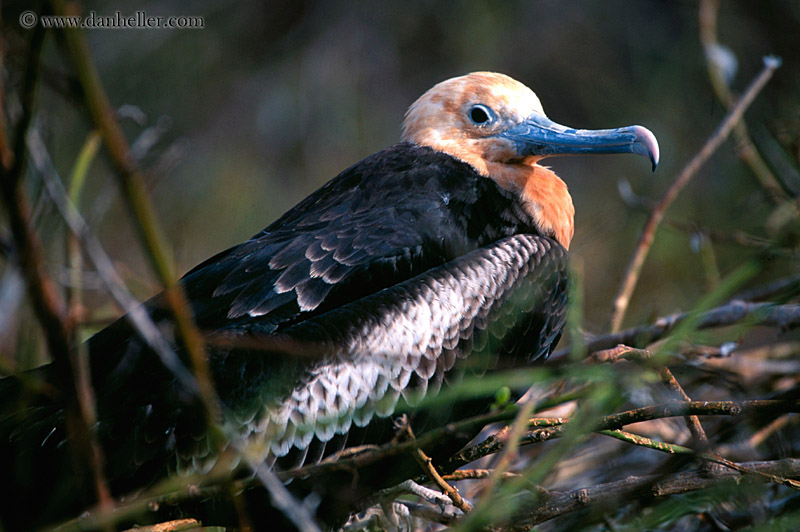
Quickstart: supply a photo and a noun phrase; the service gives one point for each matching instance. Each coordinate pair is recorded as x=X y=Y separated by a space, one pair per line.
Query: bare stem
x=426 y=464
x=634 y=269
x=134 y=188
x=47 y=301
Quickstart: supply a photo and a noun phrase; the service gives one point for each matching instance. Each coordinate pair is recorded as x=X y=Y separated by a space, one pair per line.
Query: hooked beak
x=538 y=136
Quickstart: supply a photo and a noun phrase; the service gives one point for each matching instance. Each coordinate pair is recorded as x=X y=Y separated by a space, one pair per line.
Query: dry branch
x=708 y=14
x=426 y=463
x=631 y=277
x=49 y=307
x=546 y=508
x=493 y=444
x=135 y=193
x=134 y=311
x=768 y=314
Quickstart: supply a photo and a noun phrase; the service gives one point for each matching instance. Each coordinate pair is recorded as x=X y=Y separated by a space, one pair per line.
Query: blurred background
x=239 y=120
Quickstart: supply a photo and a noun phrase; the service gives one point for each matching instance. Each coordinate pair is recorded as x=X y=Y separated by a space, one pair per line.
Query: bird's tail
x=37 y=472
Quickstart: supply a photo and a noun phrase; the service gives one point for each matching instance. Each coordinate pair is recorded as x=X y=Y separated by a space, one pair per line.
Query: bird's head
x=497 y=125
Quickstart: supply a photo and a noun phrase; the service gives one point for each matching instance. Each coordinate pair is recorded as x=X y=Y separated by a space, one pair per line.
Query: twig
x=702 y=408
x=784 y=316
x=477 y=474
x=709 y=457
x=511 y=444
x=169 y=526
x=134 y=312
x=426 y=464
x=281 y=498
x=707 y=14
x=6 y=153
x=631 y=277
x=372 y=454
x=669 y=380
x=617 y=353
x=759 y=436
x=562 y=503
x=493 y=444
x=643 y=441
x=48 y=305
x=135 y=193
x=692 y=421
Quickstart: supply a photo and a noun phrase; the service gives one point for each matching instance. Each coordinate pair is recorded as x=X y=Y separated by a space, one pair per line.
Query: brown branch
x=511 y=439
x=669 y=380
x=169 y=526
x=134 y=312
x=493 y=444
x=613 y=493
x=478 y=474
x=708 y=14
x=133 y=184
x=692 y=421
x=48 y=305
x=6 y=153
x=426 y=463
x=633 y=271
x=348 y=460
x=784 y=316
x=173 y=491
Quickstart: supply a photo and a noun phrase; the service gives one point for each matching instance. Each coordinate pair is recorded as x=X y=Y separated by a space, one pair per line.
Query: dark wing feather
x=372 y=226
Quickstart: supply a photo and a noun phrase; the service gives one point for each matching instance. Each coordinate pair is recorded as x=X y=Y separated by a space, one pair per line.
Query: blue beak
x=540 y=136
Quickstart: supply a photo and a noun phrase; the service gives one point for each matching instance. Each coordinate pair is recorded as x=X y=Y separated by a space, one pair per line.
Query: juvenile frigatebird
x=445 y=252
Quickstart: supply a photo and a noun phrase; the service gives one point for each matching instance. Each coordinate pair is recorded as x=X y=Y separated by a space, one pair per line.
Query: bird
x=443 y=254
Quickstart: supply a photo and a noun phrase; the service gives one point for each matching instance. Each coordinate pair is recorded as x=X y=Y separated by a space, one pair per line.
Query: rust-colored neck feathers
x=543 y=194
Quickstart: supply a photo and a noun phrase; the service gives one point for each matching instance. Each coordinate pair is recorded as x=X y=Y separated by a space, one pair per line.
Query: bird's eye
x=480 y=114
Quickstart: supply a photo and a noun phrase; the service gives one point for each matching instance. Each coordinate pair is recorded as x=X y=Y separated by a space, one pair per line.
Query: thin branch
x=48 y=305
x=511 y=439
x=768 y=314
x=426 y=463
x=562 y=503
x=692 y=421
x=169 y=526
x=708 y=14
x=281 y=497
x=643 y=441
x=478 y=474
x=348 y=460
x=672 y=448
x=6 y=153
x=135 y=193
x=633 y=271
x=701 y=408
x=134 y=311
x=493 y=444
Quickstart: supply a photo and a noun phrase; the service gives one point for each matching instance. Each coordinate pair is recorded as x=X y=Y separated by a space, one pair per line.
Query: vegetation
x=130 y=155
